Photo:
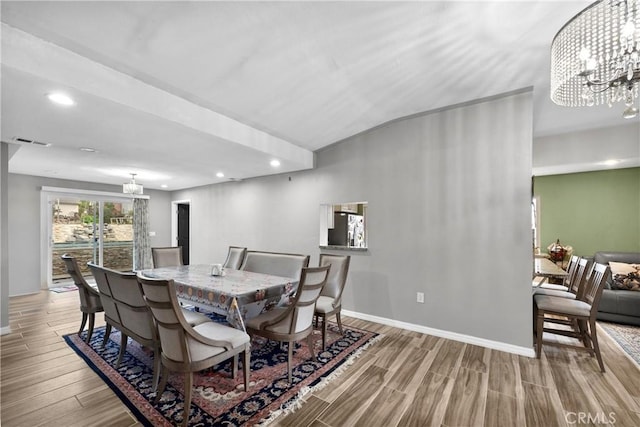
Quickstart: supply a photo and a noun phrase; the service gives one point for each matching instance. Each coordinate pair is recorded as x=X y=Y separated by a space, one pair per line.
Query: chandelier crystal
x=595 y=57
x=132 y=187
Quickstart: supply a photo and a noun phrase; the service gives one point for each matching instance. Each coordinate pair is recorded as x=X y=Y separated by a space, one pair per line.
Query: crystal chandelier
x=595 y=57
x=131 y=187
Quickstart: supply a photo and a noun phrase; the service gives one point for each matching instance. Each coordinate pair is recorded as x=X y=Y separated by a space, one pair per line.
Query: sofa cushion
x=623 y=268
x=607 y=257
x=626 y=282
x=608 y=301
x=620 y=302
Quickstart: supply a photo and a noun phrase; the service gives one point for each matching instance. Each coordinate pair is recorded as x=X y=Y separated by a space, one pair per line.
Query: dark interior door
x=183 y=231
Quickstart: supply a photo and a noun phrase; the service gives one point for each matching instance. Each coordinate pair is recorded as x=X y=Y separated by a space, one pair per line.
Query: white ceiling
x=177 y=91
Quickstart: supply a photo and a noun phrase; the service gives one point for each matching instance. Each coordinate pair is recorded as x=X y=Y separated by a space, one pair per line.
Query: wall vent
x=25 y=141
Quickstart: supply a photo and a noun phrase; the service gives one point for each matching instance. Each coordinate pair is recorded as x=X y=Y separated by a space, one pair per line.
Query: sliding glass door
x=97 y=231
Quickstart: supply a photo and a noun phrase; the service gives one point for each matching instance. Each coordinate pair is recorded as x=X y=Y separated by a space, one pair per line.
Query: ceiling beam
x=25 y=52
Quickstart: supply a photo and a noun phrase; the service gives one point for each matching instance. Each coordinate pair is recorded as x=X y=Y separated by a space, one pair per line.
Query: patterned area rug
x=61 y=289
x=218 y=399
x=627 y=336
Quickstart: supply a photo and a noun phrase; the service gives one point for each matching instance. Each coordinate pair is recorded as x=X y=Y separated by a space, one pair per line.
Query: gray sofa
x=619 y=305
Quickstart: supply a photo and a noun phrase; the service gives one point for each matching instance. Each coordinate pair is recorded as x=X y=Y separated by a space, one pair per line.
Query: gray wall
x=449 y=215
x=4 y=240
x=24 y=225
x=584 y=151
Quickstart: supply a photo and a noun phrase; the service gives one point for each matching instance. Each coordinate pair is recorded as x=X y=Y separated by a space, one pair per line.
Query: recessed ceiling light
x=611 y=162
x=88 y=149
x=275 y=163
x=61 y=98
x=220 y=175
x=164 y=186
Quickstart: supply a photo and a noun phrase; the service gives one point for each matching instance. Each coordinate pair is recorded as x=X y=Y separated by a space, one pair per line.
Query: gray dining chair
x=167 y=257
x=575 y=279
x=275 y=263
x=581 y=311
x=330 y=300
x=90 y=302
x=126 y=310
x=566 y=283
x=235 y=257
x=295 y=321
x=185 y=348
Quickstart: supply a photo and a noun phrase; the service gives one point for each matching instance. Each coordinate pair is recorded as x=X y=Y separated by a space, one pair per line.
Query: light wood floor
x=406 y=379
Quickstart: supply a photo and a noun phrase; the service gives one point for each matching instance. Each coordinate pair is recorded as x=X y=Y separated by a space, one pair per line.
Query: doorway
x=181 y=227
x=92 y=228
x=183 y=231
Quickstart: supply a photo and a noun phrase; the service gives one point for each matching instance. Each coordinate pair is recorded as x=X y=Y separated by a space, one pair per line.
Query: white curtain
x=141 y=244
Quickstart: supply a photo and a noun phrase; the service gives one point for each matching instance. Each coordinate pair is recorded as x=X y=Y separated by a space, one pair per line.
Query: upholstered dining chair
x=90 y=302
x=575 y=279
x=295 y=321
x=185 y=348
x=275 y=263
x=566 y=284
x=582 y=310
x=126 y=310
x=167 y=257
x=576 y=288
x=235 y=257
x=330 y=301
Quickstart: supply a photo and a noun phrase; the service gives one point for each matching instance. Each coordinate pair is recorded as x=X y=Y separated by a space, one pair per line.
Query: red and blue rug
x=218 y=399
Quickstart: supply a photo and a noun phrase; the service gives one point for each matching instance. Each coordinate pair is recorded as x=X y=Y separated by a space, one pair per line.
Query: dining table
x=239 y=295
x=544 y=269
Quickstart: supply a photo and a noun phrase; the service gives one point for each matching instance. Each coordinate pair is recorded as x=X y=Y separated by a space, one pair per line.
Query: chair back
x=304 y=302
x=580 y=275
x=274 y=263
x=235 y=257
x=571 y=270
x=124 y=303
x=594 y=285
x=160 y=296
x=108 y=303
x=84 y=289
x=167 y=257
x=337 y=275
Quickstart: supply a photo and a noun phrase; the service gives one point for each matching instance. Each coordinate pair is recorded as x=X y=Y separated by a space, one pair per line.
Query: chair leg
x=246 y=368
x=123 y=347
x=539 y=331
x=156 y=368
x=289 y=358
x=163 y=383
x=594 y=341
x=310 y=344
x=339 y=323
x=584 y=333
x=188 y=383
x=324 y=333
x=107 y=333
x=92 y=321
x=234 y=367
x=84 y=322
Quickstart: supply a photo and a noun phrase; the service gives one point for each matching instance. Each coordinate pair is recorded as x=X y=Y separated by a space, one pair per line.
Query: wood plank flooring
x=406 y=379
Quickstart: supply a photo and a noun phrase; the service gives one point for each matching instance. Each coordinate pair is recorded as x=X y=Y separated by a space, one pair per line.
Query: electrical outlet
x=420 y=297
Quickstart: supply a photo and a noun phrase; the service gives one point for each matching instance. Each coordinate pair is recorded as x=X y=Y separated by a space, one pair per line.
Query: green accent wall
x=591 y=211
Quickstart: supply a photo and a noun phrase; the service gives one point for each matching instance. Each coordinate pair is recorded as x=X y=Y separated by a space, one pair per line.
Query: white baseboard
x=494 y=345
x=5 y=330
